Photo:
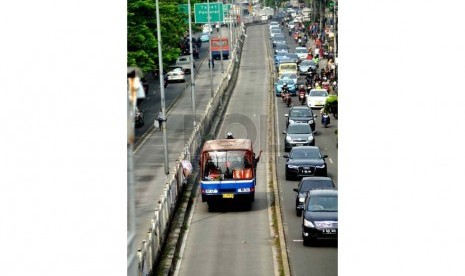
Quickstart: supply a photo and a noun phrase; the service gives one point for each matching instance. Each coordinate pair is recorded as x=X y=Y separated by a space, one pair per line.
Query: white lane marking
x=297 y=240
x=330 y=160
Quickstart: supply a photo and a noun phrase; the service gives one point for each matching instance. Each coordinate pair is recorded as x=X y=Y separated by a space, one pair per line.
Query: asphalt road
x=149 y=169
x=321 y=259
x=232 y=241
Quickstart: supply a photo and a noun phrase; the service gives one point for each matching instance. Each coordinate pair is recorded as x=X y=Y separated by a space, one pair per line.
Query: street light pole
x=334 y=30
x=192 y=63
x=210 y=58
x=162 y=89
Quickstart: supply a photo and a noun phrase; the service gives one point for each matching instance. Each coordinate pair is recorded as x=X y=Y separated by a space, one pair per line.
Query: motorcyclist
x=229 y=135
x=284 y=91
x=302 y=92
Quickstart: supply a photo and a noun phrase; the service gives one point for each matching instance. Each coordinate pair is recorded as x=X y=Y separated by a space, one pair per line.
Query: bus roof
x=227 y=144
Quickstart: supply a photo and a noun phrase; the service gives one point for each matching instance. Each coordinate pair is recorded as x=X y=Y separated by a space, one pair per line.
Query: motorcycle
x=302 y=96
x=288 y=99
x=325 y=119
x=284 y=91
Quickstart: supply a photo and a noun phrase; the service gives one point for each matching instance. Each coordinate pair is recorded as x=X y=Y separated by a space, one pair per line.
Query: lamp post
x=192 y=63
x=162 y=88
x=210 y=58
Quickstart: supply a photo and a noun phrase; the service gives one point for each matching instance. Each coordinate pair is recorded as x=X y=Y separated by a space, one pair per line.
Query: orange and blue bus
x=227 y=171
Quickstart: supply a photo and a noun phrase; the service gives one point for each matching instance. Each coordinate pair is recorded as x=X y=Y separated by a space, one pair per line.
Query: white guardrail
x=151 y=247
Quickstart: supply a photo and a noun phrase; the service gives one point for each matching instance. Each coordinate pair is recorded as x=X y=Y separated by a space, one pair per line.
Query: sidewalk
x=149 y=157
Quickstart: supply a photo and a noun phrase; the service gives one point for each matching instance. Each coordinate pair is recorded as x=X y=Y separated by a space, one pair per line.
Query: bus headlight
x=211 y=191
x=243 y=190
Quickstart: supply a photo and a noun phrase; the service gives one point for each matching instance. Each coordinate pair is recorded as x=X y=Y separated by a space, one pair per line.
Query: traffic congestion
x=300 y=80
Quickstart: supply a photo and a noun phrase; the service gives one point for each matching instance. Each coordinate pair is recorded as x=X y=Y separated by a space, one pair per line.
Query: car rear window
x=316 y=184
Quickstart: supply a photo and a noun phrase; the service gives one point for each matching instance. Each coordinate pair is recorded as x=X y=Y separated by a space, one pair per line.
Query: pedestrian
x=212 y=62
x=160 y=119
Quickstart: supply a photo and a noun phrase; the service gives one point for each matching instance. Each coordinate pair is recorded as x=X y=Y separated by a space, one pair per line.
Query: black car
x=305 y=161
x=300 y=114
x=307 y=184
x=319 y=220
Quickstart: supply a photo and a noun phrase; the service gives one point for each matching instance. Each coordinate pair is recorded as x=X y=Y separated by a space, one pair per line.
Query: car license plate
x=228 y=195
x=329 y=231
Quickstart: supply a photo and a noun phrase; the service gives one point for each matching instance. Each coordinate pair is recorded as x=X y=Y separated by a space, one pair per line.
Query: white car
x=207 y=28
x=316 y=98
x=176 y=75
x=302 y=52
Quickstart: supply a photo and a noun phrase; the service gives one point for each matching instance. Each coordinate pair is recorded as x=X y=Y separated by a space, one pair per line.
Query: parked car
x=307 y=184
x=298 y=134
x=305 y=161
x=320 y=216
x=300 y=114
x=176 y=74
x=316 y=98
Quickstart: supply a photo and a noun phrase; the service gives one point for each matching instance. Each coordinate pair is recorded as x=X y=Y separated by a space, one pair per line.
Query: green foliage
x=142 y=32
x=331 y=103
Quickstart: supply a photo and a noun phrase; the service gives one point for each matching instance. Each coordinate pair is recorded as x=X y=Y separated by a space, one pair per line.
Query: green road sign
x=183 y=8
x=201 y=12
x=226 y=8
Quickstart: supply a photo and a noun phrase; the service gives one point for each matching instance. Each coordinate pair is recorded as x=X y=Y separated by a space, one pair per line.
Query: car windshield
x=275 y=31
x=281 y=46
x=319 y=93
x=322 y=204
x=307 y=63
x=283 y=81
x=301 y=51
x=305 y=153
x=289 y=75
x=298 y=129
x=292 y=55
x=300 y=113
x=314 y=184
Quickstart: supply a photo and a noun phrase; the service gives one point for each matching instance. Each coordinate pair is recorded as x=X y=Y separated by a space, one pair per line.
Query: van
x=185 y=63
x=288 y=67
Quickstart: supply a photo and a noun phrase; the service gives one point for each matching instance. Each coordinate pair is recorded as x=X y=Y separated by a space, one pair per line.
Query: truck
x=218 y=45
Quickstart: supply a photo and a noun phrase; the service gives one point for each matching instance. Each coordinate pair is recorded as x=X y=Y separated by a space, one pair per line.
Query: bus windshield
x=227 y=164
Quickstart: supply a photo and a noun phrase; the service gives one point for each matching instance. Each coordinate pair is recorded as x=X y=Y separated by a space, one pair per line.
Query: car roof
x=330 y=192
x=300 y=107
x=315 y=178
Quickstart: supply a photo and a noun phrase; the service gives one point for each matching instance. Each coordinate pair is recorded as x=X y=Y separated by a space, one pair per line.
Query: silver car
x=298 y=134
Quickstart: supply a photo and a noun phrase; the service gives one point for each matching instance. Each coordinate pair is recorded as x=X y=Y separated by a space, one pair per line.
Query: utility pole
x=192 y=63
x=162 y=89
x=210 y=58
x=131 y=213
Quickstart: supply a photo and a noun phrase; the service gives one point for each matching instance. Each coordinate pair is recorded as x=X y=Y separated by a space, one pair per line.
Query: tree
x=142 y=33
